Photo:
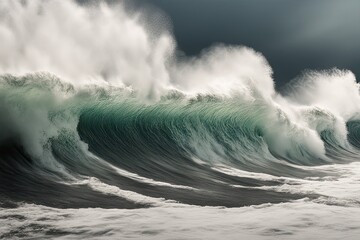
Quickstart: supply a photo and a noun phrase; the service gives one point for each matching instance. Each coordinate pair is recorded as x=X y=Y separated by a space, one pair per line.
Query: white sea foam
x=149 y=181
x=99 y=186
x=103 y=44
x=301 y=219
x=342 y=188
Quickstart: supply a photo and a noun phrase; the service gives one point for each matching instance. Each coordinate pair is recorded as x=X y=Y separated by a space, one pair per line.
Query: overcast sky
x=292 y=34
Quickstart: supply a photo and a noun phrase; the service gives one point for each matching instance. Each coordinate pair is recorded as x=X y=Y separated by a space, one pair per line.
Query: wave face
x=97 y=110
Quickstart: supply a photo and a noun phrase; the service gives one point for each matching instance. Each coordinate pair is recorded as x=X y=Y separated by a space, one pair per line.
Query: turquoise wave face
x=120 y=119
x=192 y=149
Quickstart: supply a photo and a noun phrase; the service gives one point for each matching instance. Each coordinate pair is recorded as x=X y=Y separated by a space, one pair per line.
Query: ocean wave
x=106 y=99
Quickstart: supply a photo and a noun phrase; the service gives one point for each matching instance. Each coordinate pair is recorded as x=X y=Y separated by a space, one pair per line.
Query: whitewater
x=107 y=131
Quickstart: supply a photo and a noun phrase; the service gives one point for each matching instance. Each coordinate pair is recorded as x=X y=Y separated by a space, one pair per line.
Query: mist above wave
x=102 y=45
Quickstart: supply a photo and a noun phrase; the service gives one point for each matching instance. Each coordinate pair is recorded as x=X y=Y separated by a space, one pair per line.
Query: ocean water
x=106 y=133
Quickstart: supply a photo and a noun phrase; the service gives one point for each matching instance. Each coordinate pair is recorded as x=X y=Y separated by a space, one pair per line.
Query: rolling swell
x=99 y=110
x=100 y=146
x=354 y=133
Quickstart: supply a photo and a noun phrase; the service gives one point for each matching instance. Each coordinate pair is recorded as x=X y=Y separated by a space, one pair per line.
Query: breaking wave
x=92 y=102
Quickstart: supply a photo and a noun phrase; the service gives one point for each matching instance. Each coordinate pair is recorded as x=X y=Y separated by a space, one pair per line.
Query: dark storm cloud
x=293 y=35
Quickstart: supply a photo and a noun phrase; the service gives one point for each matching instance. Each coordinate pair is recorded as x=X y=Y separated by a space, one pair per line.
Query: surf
x=102 y=103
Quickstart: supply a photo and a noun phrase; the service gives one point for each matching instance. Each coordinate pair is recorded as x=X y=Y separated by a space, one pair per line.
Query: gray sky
x=292 y=34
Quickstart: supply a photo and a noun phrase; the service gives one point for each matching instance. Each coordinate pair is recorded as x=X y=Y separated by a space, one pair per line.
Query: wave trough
x=98 y=110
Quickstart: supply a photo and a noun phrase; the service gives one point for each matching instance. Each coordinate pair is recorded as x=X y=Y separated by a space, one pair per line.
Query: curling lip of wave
x=124 y=96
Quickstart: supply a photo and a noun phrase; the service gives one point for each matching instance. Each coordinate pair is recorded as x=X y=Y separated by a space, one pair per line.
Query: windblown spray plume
x=98 y=111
